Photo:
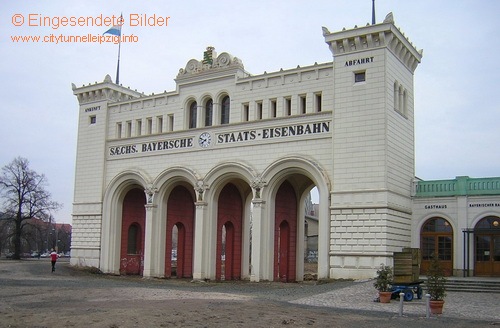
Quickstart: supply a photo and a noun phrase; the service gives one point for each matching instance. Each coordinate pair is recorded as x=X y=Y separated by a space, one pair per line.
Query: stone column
x=256 y=234
x=150 y=235
x=200 y=254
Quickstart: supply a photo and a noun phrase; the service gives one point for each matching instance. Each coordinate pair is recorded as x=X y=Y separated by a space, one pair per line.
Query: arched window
x=487 y=245
x=208 y=112
x=396 y=96
x=193 y=110
x=224 y=113
x=133 y=240
x=437 y=240
x=404 y=106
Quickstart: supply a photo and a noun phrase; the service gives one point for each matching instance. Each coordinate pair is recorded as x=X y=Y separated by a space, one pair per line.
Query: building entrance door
x=436 y=239
x=487 y=245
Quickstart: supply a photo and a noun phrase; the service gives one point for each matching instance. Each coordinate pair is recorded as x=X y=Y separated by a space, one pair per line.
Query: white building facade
x=218 y=169
x=458 y=220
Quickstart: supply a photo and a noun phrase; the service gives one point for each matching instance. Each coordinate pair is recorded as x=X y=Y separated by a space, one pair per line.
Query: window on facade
x=302 y=104
x=288 y=106
x=224 y=117
x=118 y=130
x=400 y=99
x=246 y=113
x=138 y=127
x=128 y=133
x=436 y=225
x=133 y=239
x=483 y=250
x=159 y=124
x=359 y=77
x=149 y=125
x=396 y=96
x=93 y=119
x=259 y=110
x=437 y=239
x=171 y=122
x=209 y=108
x=404 y=109
x=318 y=102
x=274 y=108
x=490 y=222
x=193 y=111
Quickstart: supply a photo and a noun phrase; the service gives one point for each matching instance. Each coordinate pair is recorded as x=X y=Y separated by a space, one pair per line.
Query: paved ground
x=31 y=296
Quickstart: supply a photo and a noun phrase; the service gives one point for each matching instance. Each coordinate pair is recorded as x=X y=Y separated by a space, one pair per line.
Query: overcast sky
x=456 y=85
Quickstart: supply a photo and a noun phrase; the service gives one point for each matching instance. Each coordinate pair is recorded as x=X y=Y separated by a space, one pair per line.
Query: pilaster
x=150 y=242
x=200 y=254
x=257 y=265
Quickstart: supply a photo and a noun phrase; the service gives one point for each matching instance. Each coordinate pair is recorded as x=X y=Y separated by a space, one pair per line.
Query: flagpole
x=116 y=30
x=119 y=49
x=118 y=64
x=373 y=12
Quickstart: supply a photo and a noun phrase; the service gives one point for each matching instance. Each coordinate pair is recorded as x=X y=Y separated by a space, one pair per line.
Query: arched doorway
x=436 y=238
x=285 y=234
x=487 y=246
x=180 y=225
x=132 y=241
x=229 y=234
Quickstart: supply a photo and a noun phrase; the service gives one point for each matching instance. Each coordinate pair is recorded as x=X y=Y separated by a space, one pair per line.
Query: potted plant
x=436 y=286
x=383 y=283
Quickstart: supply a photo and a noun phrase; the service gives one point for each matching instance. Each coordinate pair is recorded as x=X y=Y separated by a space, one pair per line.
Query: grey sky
x=456 y=110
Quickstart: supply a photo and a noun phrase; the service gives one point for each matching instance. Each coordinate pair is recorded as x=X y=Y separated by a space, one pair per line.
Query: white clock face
x=205 y=139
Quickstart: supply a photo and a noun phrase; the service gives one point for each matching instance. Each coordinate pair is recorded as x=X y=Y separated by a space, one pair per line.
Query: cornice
x=371 y=37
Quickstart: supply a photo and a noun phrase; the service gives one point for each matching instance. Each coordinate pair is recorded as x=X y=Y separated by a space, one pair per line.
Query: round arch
x=112 y=217
x=303 y=174
x=487 y=246
x=240 y=176
x=164 y=184
x=437 y=239
x=220 y=95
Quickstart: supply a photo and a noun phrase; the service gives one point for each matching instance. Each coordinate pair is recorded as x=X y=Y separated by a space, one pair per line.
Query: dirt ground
x=32 y=296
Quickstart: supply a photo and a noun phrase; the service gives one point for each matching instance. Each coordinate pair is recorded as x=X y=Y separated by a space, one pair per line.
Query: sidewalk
x=360 y=296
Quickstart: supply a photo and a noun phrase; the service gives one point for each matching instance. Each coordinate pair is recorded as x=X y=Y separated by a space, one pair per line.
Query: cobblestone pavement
x=360 y=295
x=31 y=296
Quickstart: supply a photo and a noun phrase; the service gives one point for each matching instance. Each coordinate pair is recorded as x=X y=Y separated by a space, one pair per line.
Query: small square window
x=93 y=119
x=359 y=77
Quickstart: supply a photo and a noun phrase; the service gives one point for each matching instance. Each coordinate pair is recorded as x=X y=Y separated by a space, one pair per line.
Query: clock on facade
x=205 y=139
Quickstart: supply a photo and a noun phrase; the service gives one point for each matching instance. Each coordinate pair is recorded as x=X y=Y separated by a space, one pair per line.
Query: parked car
x=35 y=254
x=44 y=255
x=9 y=255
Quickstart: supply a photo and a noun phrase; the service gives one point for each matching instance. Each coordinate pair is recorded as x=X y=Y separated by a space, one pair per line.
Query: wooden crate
x=407 y=265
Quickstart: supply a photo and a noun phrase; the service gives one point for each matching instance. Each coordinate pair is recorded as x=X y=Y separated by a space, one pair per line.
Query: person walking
x=53 y=259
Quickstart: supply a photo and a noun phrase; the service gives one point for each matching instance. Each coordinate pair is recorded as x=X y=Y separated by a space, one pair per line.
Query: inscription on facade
x=152 y=146
x=275 y=132
x=432 y=207
x=92 y=109
x=485 y=205
x=297 y=130
x=359 y=61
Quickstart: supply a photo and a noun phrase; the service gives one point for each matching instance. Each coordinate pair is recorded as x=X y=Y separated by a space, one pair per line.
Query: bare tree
x=24 y=197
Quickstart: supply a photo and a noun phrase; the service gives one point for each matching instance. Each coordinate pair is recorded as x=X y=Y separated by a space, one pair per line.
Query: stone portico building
x=208 y=181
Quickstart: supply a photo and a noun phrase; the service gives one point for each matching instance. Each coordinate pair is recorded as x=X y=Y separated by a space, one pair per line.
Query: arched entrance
x=487 y=246
x=180 y=225
x=436 y=238
x=285 y=234
x=229 y=234
x=132 y=242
